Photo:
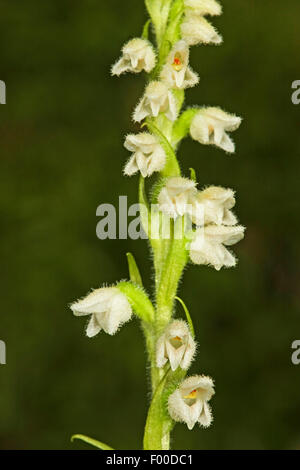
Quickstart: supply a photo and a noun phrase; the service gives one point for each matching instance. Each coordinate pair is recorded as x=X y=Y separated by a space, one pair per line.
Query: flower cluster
x=210 y=211
x=212 y=226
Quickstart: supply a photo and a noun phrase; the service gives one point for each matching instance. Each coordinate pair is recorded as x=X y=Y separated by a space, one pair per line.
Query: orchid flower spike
x=177 y=196
x=209 y=245
x=176 y=345
x=210 y=127
x=189 y=403
x=157 y=99
x=108 y=307
x=137 y=55
x=176 y=73
x=147 y=154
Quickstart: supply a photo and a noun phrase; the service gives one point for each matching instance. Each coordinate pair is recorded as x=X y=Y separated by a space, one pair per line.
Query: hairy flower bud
x=203 y=7
x=197 y=30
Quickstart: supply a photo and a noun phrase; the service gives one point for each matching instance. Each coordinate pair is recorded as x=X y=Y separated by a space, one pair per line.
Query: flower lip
x=176 y=341
x=192 y=394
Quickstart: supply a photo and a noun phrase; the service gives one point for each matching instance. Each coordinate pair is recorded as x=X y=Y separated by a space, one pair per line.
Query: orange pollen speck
x=177 y=338
x=192 y=394
x=177 y=64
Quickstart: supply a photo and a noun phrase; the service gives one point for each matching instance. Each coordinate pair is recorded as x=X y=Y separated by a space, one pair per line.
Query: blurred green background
x=61 y=141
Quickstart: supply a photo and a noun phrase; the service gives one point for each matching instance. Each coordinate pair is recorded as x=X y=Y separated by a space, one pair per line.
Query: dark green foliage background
x=61 y=135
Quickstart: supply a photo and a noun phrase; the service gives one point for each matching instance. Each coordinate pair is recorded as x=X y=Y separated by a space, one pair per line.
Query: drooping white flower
x=189 y=403
x=203 y=7
x=157 y=99
x=215 y=203
x=210 y=127
x=108 y=307
x=137 y=55
x=197 y=30
x=176 y=345
x=209 y=245
x=148 y=155
x=177 y=196
x=176 y=71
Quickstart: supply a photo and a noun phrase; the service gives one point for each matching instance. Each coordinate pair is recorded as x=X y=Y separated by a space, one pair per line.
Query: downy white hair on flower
x=176 y=345
x=209 y=245
x=137 y=55
x=108 y=307
x=216 y=204
x=203 y=7
x=197 y=30
x=147 y=154
x=210 y=127
x=157 y=98
x=189 y=403
x=177 y=196
x=176 y=72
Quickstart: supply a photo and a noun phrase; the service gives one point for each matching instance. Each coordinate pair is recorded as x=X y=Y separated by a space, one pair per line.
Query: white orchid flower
x=215 y=204
x=147 y=154
x=108 y=307
x=210 y=127
x=158 y=98
x=177 y=196
x=176 y=71
x=137 y=55
x=176 y=345
x=209 y=245
x=189 y=403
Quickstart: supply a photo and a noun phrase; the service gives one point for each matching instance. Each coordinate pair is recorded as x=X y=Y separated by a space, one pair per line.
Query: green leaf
x=188 y=316
x=193 y=175
x=145 y=33
x=172 y=167
x=91 y=441
x=182 y=125
x=179 y=97
x=159 y=423
x=134 y=272
x=139 y=300
x=144 y=206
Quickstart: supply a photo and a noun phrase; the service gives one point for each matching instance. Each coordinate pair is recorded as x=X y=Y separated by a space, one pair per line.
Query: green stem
x=170 y=255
